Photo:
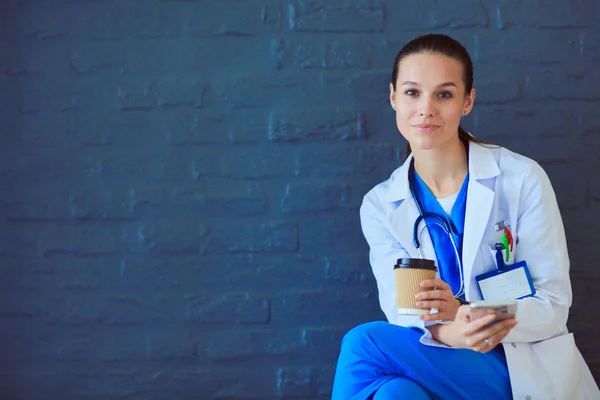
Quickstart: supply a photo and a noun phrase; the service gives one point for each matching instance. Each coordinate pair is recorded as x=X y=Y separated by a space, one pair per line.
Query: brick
x=91 y=203
x=36 y=96
x=346 y=160
x=195 y=129
x=323 y=341
x=336 y=16
x=103 y=24
x=261 y=162
x=579 y=226
x=152 y=22
x=593 y=186
x=315 y=196
x=81 y=239
x=317 y=307
x=333 y=235
x=234 y=270
x=304 y=55
x=589 y=121
x=495 y=88
x=371 y=88
x=295 y=382
x=309 y=197
x=506 y=121
x=224 y=200
x=233 y=237
x=45 y=21
x=259 y=91
x=330 y=55
x=215 y=308
x=249 y=127
x=251 y=343
x=153 y=57
x=76 y=273
x=35 y=207
x=110 y=131
x=316 y=125
x=170 y=343
x=562 y=84
x=226 y=382
x=568 y=182
x=409 y=15
x=221 y=20
x=127 y=57
x=20 y=308
x=130 y=308
x=543 y=14
x=551 y=46
x=135 y=95
x=590 y=46
x=146 y=163
x=173 y=236
x=193 y=163
x=552 y=150
x=353 y=268
x=52 y=59
x=90 y=57
x=179 y=90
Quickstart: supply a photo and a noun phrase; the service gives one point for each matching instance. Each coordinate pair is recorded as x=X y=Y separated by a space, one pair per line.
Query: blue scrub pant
x=380 y=361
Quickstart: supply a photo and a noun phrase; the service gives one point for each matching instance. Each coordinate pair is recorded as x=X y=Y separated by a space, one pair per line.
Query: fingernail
x=419 y=303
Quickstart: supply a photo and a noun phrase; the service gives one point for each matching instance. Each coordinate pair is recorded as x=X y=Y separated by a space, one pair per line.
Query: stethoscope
x=447 y=227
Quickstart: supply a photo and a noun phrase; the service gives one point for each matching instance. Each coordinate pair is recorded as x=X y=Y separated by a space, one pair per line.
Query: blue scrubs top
x=447 y=262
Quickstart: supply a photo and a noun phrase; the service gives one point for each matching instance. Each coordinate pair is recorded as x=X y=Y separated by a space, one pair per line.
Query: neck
x=442 y=169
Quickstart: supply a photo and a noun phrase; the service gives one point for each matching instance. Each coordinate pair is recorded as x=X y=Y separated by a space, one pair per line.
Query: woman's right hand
x=472 y=334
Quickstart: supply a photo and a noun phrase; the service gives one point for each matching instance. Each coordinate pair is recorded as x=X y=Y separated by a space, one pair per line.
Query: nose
x=426 y=107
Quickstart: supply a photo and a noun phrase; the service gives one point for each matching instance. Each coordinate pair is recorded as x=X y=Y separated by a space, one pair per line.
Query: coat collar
x=482 y=165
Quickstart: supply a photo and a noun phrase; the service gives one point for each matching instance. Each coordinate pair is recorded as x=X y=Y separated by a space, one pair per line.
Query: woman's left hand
x=440 y=298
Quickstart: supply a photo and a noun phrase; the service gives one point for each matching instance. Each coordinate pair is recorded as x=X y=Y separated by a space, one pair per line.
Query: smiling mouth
x=426 y=127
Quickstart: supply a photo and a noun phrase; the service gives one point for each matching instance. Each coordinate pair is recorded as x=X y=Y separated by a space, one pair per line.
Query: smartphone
x=503 y=309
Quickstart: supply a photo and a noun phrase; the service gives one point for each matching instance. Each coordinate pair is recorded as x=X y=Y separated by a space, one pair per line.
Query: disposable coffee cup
x=409 y=273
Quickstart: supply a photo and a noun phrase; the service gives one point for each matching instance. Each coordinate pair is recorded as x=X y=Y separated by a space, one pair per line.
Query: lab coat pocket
x=558 y=357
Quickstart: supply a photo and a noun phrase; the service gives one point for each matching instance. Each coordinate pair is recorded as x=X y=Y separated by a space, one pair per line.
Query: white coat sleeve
x=384 y=251
x=542 y=244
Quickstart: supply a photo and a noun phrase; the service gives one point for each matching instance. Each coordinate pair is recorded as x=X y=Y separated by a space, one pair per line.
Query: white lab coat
x=542 y=358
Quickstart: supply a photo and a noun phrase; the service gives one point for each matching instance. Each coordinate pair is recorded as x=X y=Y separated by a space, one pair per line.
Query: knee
x=357 y=336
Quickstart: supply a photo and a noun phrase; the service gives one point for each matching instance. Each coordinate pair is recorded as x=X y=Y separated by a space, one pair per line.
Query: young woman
x=477 y=190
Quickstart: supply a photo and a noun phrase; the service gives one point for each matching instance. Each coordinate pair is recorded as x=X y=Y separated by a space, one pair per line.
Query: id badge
x=512 y=282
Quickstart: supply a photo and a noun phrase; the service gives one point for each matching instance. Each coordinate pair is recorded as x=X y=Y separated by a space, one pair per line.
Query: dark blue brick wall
x=180 y=180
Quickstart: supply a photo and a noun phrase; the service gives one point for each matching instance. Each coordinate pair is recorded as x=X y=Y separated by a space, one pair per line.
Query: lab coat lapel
x=480 y=200
x=404 y=213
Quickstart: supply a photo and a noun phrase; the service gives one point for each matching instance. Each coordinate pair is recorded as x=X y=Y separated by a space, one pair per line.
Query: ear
x=392 y=96
x=469 y=102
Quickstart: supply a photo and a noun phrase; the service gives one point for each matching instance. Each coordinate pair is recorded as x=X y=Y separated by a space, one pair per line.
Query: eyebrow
x=445 y=84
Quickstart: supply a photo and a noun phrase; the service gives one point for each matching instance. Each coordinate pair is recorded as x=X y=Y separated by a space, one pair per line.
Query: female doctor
x=475 y=190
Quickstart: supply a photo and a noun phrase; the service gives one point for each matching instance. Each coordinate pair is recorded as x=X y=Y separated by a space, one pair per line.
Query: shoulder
x=514 y=166
x=380 y=192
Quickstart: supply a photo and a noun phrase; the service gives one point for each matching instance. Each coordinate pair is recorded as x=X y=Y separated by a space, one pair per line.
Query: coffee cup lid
x=421 y=263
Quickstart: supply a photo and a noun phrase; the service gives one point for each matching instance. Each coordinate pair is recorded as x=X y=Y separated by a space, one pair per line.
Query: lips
x=426 y=127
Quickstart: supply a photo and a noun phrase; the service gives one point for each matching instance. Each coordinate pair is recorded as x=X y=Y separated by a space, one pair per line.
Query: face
x=429 y=100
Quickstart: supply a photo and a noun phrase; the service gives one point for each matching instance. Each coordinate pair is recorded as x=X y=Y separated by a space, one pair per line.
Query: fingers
x=435 y=283
x=478 y=325
x=439 y=316
x=488 y=338
x=439 y=304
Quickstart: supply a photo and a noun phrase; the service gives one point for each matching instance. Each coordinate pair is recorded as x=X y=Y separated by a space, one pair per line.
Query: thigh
x=446 y=373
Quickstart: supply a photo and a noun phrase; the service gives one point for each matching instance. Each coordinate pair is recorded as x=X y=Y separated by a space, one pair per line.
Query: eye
x=445 y=95
x=411 y=92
